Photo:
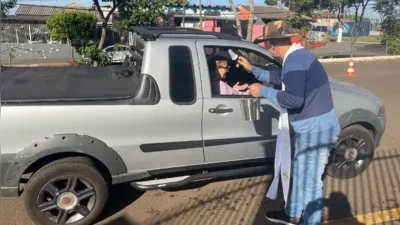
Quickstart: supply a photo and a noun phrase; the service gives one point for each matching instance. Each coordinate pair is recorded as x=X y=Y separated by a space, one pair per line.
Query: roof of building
x=271 y=12
x=47 y=10
x=75 y=5
x=197 y=6
x=327 y=14
x=26 y=18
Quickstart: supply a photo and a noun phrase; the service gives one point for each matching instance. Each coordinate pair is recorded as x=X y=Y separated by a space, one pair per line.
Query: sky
x=369 y=12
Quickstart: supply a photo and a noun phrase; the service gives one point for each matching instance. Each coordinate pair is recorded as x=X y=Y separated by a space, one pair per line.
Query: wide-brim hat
x=277 y=30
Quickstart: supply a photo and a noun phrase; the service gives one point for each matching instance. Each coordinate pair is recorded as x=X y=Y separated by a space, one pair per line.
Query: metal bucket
x=250 y=108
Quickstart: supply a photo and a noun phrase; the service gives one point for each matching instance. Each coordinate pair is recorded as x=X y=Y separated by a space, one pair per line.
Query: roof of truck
x=64 y=83
x=152 y=33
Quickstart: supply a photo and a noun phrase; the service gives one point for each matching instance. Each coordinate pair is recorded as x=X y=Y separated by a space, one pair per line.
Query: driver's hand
x=238 y=87
x=245 y=63
x=254 y=90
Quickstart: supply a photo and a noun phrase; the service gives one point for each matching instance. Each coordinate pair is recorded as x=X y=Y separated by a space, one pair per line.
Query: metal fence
x=31 y=41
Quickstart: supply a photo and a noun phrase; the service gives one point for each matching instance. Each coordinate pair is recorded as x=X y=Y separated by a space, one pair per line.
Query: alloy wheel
x=66 y=199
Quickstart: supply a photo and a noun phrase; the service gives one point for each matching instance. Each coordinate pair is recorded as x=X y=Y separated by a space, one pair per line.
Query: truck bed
x=64 y=83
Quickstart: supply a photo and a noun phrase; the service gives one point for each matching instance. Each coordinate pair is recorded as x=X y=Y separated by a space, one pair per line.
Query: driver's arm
x=272 y=76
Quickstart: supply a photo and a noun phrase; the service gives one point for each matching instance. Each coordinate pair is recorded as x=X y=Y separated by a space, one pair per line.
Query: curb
x=360 y=59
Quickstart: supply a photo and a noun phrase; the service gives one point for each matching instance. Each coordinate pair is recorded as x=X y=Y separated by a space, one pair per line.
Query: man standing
x=308 y=100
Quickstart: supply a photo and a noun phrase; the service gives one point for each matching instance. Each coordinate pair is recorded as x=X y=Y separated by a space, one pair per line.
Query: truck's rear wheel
x=66 y=191
x=353 y=153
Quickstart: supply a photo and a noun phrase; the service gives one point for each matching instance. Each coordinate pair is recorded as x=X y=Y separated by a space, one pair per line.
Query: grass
x=371 y=39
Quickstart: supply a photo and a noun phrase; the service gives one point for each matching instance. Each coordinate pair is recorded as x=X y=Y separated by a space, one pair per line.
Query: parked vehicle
x=118 y=52
x=73 y=132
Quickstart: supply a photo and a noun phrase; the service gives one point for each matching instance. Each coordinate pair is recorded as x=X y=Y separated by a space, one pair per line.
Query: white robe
x=283 y=149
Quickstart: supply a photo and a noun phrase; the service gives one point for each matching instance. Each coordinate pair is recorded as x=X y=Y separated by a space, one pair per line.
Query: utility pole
x=201 y=15
x=184 y=15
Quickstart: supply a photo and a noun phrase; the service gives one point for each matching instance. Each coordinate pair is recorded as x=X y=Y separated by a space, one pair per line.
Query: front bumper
x=8 y=187
x=382 y=120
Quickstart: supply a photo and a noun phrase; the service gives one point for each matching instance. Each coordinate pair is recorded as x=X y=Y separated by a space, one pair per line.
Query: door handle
x=216 y=110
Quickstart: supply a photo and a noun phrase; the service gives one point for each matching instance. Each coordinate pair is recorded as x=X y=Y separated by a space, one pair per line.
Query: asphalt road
x=373 y=197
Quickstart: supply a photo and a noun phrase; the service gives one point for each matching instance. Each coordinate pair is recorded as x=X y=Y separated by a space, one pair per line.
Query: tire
x=353 y=153
x=88 y=193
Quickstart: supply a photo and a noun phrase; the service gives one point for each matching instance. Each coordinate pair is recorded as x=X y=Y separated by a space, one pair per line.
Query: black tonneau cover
x=64 y=83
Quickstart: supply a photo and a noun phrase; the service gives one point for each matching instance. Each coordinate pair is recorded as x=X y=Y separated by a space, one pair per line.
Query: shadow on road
x=244 y=202
x=337 y=204
x=122 y=220
x=121 y=196
x=339 y=207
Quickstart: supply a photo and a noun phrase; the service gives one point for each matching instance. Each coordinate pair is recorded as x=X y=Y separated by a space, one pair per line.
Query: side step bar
x=174 y=182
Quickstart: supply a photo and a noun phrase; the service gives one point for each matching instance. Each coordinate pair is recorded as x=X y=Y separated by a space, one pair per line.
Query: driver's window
x=258 y=59
x=224 y=74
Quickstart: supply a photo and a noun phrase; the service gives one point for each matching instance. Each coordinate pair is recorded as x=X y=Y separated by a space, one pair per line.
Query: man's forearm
x=270 y=94
x=270 y=76
x=281 y=98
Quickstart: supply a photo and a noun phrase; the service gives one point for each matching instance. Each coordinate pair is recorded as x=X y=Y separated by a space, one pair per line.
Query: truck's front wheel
x=66 y=191
x=353 y=153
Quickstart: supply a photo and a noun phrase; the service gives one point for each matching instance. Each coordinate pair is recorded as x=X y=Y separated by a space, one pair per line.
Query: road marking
x=370 y=218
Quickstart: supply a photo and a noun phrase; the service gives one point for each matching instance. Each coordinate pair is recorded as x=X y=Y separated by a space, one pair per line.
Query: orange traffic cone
x=350 y=70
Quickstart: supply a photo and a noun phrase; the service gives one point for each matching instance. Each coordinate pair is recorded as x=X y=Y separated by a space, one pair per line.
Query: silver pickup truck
x=68 y=134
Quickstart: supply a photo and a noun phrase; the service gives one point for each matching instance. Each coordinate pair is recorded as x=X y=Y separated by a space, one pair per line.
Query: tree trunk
x=251 y=21
x=238 y=25
x=102 y=40
x=104 y=23
x=103 y=35
x=201 y=14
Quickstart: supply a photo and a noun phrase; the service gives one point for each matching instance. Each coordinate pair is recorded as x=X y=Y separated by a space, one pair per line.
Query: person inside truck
x=219 y=68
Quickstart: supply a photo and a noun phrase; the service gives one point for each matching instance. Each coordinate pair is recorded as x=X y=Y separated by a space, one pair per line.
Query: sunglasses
x=224 y=67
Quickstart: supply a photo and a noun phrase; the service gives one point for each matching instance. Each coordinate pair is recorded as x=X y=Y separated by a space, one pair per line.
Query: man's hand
x=238 y=87
x=245 y=63
x=254 y=89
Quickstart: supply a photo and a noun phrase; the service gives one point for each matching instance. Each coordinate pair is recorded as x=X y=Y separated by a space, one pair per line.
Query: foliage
x=6 y=5
x=91 y=54
x=271 y=2
x=140 y=13
x=300 y=7
x=11 y=55
x=389 y=10
x=77 y=26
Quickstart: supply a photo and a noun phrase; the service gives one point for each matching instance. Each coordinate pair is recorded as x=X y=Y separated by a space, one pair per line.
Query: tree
x=105 y=18
x=360 y=6
x=297 y=9
x=300 y=7
x=140 y=13
x=251 y=21
x=390 y=13
x=6 y=5
x=271 y=2
x=238 y=24
x=77 y=26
